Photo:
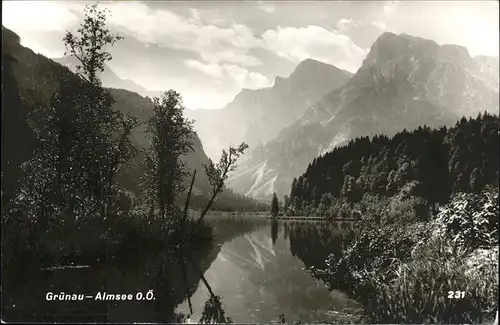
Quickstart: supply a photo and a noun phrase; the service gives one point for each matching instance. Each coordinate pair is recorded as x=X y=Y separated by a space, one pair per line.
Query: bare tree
x=217 y=175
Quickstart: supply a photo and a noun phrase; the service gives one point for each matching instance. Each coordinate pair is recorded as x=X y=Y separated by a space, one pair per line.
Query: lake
x=254 y=271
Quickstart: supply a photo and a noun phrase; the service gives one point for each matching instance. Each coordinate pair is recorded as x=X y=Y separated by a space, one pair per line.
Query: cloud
x=247 y=79
x=224 y=50
x=298 y=44
x=380 y=24
x=38 y=15
x=166 y=28
x=213 y=70
x=215 y=44
x=383 y=21
x=345 y=24
x=231 y=44
x=473 y=24
x=38 y=23
x=195 y=15
x=390 y=7
x=266 y=7
x=243 y=77
x=231 y=57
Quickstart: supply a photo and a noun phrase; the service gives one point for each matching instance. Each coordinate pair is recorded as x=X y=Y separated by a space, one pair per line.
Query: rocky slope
x=488 y=66
x=404 y=82
x=256 y=116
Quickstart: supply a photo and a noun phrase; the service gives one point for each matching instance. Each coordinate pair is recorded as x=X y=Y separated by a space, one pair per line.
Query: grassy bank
x=402 y=267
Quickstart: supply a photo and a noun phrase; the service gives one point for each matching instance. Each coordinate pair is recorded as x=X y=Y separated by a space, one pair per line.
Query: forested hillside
x=31 y=79
x=424 y=210
x=430 y=163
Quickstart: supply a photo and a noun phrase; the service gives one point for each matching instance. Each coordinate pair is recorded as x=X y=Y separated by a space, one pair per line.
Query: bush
x=373 y=251
x=470 y=220
x=401 y=268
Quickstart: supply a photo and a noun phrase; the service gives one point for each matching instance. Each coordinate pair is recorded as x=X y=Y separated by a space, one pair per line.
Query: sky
x=210 y=50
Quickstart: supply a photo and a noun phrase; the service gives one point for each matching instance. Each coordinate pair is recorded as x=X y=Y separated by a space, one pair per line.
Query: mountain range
x=258 y=115
x=404 y=82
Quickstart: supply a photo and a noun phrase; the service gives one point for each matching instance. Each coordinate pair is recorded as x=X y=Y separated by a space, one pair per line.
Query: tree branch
x=200 y=272
x=216 y=190
x=186 y=206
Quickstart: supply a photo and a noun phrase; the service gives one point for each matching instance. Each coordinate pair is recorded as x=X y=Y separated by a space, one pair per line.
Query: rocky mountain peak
x=403 y=49
x=309 y=69
x=404 y=82
x=311 y=74
x=308 y=64
x=244 y=95
x=390 y=47
x=279 y=82
x=455 y=53
x=267 y=111
x=433 y=71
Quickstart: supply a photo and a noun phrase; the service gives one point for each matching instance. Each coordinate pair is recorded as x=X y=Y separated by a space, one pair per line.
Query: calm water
x=254 y=271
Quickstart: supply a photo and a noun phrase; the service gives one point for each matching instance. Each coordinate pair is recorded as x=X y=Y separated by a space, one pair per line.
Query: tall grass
x=417 y=291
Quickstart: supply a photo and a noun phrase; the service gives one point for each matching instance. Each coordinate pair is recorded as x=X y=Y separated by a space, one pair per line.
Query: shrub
x=373 y=251
x=470 y=220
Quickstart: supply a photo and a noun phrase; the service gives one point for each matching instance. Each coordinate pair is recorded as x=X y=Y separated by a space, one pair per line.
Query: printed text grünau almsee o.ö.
x=62 y=296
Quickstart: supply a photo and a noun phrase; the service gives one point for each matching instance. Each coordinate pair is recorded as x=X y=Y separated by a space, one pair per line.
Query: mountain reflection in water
x=252 y=272
x=259 y=280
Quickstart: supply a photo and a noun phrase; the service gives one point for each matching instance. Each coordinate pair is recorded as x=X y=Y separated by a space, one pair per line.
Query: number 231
x=456 y=294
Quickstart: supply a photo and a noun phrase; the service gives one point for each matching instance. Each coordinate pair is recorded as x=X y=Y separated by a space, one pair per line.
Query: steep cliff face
x=257 y=116
x=404 y=82
x=488 y=66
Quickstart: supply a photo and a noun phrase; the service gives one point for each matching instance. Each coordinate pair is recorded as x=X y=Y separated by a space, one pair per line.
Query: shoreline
x=267 y=216
x=303 y=218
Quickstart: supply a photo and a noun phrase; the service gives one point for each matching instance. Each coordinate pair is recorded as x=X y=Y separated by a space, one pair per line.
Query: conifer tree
x=274 y=206
x=433 y=163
